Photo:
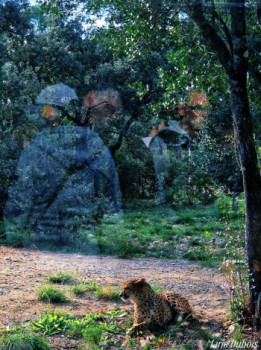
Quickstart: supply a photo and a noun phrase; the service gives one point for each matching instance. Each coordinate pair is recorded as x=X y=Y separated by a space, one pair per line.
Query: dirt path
x=23 y=272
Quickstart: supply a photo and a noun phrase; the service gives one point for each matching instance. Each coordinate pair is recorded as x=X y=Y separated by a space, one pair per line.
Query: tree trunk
x=234 y=59
x=252 y=184
x=237 y=77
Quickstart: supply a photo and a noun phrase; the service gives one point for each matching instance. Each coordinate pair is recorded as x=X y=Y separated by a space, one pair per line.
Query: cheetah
x=153 y=310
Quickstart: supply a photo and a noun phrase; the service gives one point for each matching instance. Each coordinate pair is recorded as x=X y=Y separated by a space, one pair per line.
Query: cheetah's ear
x=139 y=282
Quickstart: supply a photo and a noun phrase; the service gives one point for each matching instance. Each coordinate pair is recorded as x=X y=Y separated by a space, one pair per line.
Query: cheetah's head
x=135 y=289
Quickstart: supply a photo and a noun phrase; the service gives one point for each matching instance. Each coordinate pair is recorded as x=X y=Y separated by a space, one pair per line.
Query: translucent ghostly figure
x=66 y=179
x=168 y=138
x=57 y=95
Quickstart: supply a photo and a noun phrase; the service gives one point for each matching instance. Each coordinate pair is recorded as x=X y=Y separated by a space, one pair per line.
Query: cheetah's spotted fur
x=153 y=310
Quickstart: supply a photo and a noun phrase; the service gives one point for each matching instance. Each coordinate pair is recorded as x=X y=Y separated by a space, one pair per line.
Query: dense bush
x=135 y=169
x=231 y=207
x=188 y=184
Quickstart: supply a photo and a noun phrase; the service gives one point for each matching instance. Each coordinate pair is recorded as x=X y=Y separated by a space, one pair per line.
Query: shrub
x=230 y=210
x=80 y=289
x=184 y=218
x=15 y=240
x=188 y=184
x=52 y=295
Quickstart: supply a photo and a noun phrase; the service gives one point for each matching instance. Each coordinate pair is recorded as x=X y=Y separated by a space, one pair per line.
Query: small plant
x=60 y=278
x=79 y=289
x=52 y=295
x=52 y=323
x=23 y=341
x=102 y=292
x=108 y=293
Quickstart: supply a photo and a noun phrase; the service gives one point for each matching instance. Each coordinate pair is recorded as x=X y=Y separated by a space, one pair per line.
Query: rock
x=232 y=329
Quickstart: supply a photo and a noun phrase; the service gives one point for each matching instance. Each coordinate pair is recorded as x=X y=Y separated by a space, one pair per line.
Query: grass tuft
x=24 y=341
x=52 y=295
x=79 y=289
x=60 y=278
x=108 y=293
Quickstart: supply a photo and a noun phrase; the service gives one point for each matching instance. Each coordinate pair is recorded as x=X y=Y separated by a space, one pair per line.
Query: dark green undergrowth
x=199 y=233
x=194 y=233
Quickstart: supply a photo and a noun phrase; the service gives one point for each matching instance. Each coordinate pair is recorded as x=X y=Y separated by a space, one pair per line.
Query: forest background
x=135 y=67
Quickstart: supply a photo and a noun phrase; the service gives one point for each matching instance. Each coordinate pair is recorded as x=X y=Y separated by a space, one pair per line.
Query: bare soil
x=23 y=272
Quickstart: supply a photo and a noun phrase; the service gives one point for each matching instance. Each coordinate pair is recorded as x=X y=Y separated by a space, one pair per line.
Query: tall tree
x=223 y=25
x=232 y=53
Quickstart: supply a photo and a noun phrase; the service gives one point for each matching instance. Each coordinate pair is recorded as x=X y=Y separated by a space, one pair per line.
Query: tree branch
x=238 y=32
x=209 y=33
x=258 y=12
x=122 y=134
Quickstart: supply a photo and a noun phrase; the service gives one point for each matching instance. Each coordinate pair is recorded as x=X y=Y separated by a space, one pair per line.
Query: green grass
x=144 y=230
x=164 y=233
x=62 y=323
x=102 y=292
x=23 y=341
x=93 y=335
x=60 y=278
x=96 y=332
x=79 y=289
x=48 y=294
x=108 y=293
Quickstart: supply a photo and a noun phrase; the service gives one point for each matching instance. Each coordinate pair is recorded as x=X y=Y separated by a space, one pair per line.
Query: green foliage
x=135 y=168
x=230 y=210
x=15 y=240
x=188 y=183
x=235 y=261
x=52 y=323
x=93 y=335
x=185 y=218
x=199 y=254
x=79 y=289
x=52 y=295
x=236 y=271
x=23 y=341
x=111 y=242
x=61 y=277
x=89 y=327
x=197 y=233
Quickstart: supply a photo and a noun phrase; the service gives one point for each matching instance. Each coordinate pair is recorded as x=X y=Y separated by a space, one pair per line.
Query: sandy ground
x=23 y=272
